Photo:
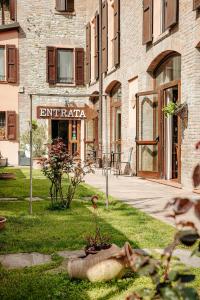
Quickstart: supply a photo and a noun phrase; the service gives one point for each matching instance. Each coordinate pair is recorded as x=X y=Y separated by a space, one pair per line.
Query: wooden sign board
x=65 y=113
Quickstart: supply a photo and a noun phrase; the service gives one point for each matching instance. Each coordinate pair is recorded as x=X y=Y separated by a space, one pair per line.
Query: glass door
x=148 y=137
x=74 y=137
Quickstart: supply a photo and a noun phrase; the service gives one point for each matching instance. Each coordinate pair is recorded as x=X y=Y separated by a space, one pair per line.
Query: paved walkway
x=148 y=196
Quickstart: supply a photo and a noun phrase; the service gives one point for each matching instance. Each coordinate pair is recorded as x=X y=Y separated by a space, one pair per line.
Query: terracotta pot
x=2 y=222
x=4 y=176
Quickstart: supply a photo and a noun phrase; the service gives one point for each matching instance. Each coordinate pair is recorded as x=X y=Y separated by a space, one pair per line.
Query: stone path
x=145 y=195
x=35 y=199
x=22 y=260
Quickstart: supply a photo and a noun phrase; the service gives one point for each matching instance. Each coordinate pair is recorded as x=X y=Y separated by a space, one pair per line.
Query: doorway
x=70 y=132
x=171 y=136
x=158 y=137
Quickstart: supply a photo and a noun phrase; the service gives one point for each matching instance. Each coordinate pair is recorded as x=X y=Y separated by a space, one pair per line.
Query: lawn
x=49 y=231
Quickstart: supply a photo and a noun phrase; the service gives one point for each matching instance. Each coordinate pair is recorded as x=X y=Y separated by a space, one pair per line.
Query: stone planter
x=104 y=266
x=36 y=163
x=3 y=162
x=2 y=222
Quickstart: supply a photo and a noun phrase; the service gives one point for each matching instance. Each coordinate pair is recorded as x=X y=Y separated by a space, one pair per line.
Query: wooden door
x=148 y=137
x=74 y=137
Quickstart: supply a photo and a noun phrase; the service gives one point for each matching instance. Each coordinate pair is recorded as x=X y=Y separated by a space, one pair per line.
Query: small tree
x=39 y=139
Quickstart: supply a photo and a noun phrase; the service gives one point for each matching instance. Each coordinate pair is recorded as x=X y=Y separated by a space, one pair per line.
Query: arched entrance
x=159 y=138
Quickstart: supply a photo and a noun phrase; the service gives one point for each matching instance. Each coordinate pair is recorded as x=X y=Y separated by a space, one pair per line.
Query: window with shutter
x=2 y=63
x=11 y=125
x=79 y=66
x=12 y=67
x=88 y=53
x=116 y=32
x=96 y=46
x=147 y=21
x=70 y=5
x=104 y=37
x=51 y=65
x=171 y=13
x=2 y=125
x=61 y=5
x=196 y=4
x=65 y=5
x=12 y=8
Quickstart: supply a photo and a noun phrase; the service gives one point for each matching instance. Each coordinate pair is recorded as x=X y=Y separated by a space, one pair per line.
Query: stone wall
x=42 y=26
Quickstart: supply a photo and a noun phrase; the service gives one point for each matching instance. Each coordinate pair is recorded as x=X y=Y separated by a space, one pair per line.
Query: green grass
x=50 y=231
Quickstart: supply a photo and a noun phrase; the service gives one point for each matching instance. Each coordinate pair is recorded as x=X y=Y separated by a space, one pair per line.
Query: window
x=169 y=70
x=8 y=125
x=196 y=4
x=2 y=64
x=65 y=66
x=158 y=16
x=110 y=40
x=65 y=5
x=8 y=6
x=8 y=63
x=2 y=125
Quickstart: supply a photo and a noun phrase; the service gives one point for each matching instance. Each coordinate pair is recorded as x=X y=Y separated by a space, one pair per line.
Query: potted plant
x=97 y=241
x=39 y=143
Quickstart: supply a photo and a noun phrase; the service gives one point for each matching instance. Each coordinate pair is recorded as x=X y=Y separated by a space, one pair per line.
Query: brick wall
x=135 y=60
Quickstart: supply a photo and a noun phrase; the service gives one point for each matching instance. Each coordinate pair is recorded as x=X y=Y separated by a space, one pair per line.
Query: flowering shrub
x=171 y=282
x=58 y=164
x=54 y=167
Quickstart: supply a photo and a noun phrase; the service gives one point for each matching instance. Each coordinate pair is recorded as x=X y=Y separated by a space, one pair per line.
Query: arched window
x=169 y=70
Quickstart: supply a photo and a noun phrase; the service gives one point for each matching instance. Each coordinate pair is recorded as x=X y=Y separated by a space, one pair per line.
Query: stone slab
x=22 y=260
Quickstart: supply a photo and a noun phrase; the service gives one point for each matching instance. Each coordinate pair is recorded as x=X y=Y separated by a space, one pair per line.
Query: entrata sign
x=44 y=112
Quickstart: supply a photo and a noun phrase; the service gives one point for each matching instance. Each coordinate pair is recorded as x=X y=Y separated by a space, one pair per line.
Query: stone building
x=143 y=54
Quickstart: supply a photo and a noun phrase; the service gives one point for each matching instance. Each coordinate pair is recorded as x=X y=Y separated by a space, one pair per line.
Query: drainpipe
x=100 y=78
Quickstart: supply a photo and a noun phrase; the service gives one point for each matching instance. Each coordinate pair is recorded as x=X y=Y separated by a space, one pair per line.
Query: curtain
x=65 y=66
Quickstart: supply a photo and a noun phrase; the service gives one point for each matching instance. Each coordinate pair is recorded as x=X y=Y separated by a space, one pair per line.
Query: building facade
x=143 y=54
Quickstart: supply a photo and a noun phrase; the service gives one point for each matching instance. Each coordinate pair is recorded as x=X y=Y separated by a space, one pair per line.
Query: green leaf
x=169 y=293
x=188 y=293
x=173 y=275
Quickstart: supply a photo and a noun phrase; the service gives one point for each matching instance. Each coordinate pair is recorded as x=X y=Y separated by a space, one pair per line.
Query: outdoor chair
x=127 y=168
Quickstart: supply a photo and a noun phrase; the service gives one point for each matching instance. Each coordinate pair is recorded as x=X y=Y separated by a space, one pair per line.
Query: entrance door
x=172 y=138
x=69 y=131
x=148 y=135
x=74 y=136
